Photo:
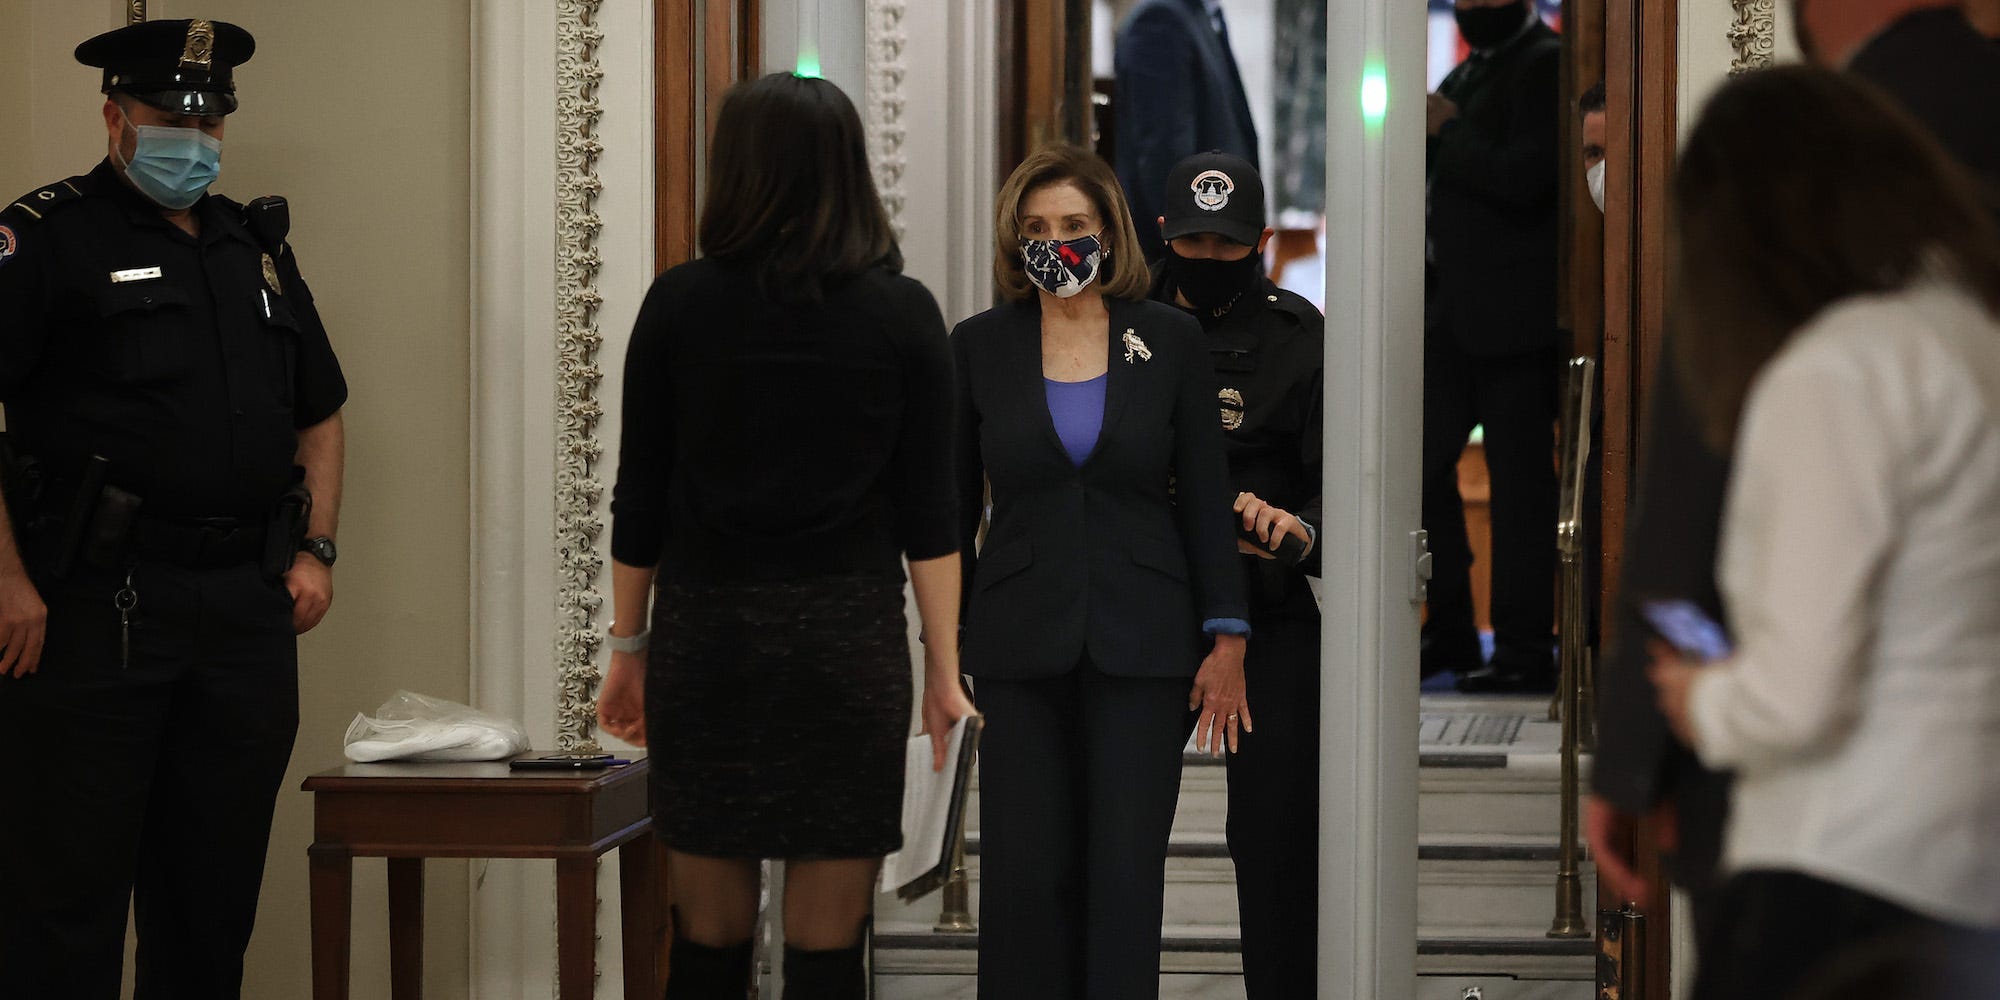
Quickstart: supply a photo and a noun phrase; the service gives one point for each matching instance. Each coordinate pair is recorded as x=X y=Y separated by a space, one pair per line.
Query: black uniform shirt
x=1268 y=357
x=183 y=360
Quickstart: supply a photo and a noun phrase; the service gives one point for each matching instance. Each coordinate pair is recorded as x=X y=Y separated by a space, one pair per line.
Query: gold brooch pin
x=1135 y=346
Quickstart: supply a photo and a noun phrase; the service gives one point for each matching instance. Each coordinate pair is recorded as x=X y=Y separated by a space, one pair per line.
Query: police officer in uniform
x=173 y=460
x=1266 y=344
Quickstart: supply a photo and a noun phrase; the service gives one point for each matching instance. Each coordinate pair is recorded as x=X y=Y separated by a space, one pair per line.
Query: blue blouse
x=1077 y=409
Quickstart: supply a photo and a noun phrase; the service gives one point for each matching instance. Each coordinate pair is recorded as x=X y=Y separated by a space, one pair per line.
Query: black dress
x=777 y=462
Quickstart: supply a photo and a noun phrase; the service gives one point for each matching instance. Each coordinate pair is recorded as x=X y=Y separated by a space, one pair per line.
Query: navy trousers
x=143 y=786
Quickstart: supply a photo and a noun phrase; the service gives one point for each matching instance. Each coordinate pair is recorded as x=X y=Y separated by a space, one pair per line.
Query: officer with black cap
x=1266 y=344
x=172 y=470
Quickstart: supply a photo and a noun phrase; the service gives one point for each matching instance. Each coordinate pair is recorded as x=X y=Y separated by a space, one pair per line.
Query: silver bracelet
x=627 y=643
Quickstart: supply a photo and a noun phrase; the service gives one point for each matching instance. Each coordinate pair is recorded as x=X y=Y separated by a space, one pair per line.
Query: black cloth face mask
x=1210 y=284
x=1486 y=27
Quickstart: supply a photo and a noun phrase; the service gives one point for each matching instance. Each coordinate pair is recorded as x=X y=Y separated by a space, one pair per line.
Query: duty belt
x=199 y=542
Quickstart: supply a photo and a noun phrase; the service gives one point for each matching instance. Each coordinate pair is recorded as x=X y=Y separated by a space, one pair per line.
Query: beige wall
x=355 y=111
x=56 y=132
x=17 y=169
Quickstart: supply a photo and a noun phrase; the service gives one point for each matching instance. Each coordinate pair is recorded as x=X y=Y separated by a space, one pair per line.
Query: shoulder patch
x=35 y=205
x=10 y=244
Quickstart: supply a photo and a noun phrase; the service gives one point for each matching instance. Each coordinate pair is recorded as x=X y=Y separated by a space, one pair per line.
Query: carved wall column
x=1754 y=35
x=578 y=490
x=887 y=72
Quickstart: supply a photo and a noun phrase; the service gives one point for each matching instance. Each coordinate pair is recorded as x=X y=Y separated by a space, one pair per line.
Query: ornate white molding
x=578 y=491
x=135 y=11
x=1754 y=35
x=887 y=72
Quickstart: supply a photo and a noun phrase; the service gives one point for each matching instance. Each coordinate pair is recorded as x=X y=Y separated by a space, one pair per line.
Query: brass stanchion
x=1569 y=919
x=956 y=916
x=1621 y=955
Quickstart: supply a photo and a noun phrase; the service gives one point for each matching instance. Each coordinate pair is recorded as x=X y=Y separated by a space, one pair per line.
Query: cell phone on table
x=561 y=762
x=1687 y=627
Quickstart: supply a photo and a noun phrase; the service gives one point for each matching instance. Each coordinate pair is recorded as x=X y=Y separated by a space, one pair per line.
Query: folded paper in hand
x=412 y=726
x=933 y=812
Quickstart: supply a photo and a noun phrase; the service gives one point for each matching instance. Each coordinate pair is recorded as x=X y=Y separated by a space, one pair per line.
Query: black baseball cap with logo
x=1215 y=193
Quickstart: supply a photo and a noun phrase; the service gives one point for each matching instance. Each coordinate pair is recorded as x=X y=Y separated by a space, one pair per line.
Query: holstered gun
x=82 y=508
x=287 y=528
x=22 y=483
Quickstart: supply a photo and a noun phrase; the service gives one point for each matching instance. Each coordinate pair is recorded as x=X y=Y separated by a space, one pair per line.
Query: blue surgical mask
x=1062 y=268
x=173 y=166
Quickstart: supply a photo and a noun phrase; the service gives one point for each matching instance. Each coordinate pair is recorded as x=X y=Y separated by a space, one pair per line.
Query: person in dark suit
x=1179 y=93
x=1931 y=61
x=1088 y=415
x=1490 y=340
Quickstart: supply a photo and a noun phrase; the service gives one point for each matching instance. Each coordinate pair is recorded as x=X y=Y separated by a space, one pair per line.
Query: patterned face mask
x=1062 y=268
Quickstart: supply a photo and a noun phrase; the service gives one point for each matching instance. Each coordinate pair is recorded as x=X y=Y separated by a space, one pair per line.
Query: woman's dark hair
x=1797 y=188
x=789 y=190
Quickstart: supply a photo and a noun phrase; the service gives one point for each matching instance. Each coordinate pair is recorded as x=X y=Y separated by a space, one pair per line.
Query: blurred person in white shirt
x=1838 y=327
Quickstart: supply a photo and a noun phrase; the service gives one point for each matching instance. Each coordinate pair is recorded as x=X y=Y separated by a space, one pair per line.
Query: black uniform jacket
x=1492 y=176
x=1267 y=353
x=1123 y=557
x=188 y=362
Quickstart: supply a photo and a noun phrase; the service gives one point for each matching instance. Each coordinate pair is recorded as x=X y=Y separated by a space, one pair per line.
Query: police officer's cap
x=180 y=67
x=1215 y=193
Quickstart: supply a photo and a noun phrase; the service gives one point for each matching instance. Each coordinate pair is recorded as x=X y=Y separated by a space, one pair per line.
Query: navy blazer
x=1179 y=94
x=1123 y=557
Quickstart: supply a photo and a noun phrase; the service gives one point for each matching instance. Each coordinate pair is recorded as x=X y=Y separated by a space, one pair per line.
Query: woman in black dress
x=1090 y=414
x=786 y=443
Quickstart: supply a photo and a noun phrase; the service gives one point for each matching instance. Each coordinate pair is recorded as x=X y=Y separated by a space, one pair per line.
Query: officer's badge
x=1212 y=189
x=199 y=52
x=1232 y=408
x=271 y=275
x=9 y=245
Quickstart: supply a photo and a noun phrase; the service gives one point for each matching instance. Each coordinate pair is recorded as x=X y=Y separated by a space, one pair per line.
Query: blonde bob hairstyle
x=1124 y=274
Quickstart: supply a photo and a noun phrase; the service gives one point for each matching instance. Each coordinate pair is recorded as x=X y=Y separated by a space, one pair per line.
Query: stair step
x=916 y=950
x=1503 y=988
x=1173 y=986
x=1470 y=795
x=1463 y=889
x=1189 y=986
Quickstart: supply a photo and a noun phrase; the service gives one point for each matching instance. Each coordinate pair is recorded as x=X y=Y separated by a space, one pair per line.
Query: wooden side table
x=407 y=812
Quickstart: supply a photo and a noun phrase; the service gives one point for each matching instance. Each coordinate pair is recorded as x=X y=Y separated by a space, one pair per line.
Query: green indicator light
x=1374 y=95
x=808 y=65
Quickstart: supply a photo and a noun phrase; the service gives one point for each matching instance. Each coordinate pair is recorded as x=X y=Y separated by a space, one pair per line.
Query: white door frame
x=1374 y=414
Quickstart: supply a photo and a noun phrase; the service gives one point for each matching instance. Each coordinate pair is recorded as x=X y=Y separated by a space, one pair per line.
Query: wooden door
x=700 y=47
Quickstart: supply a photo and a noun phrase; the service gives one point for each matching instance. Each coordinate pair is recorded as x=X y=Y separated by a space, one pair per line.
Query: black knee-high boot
x=704 y=972
x=834 y=974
